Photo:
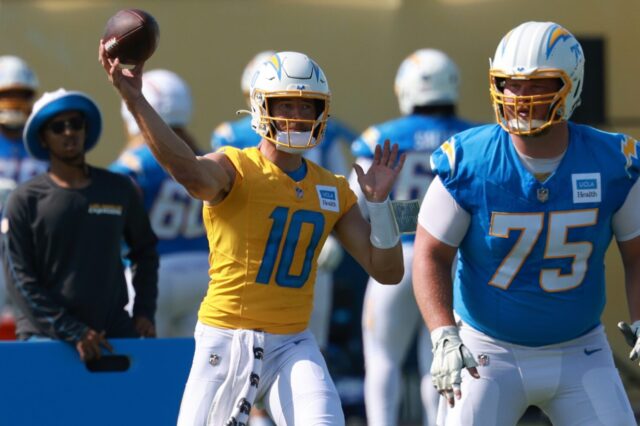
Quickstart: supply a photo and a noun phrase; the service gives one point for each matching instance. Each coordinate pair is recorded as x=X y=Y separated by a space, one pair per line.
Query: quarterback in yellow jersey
x=267 y=213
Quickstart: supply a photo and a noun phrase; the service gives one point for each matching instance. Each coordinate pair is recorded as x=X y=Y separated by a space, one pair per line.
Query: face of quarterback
x=535 y=96
x=290 y=110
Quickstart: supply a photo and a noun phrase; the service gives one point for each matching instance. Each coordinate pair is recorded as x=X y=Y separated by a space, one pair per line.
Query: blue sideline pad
x=45 y=383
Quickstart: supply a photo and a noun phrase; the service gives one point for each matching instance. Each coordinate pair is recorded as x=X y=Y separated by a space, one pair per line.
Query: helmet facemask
x=281 y=131
x=507 y=107
x=15 y=108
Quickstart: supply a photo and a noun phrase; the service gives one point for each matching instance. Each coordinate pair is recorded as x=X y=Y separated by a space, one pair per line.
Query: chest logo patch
x=586 y=188
x=328 y=197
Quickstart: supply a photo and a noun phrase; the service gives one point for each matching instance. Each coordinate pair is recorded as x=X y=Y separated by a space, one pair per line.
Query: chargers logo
x=586 y=187
x=557 y=35
x=328 y=198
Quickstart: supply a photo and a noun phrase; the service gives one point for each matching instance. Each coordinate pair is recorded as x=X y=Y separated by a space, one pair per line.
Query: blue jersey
x=16 y=166
x=332 y=153
x=175 y=216
x=417 y=136
x=531 y=265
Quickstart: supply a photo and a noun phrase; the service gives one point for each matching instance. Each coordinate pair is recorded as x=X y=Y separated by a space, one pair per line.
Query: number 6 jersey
x=531 y=265
x=265 y=238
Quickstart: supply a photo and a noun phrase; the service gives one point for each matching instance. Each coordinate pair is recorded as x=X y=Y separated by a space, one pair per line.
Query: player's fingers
x=377 y=155
x=386 y=153
x=474 y=372
x=456 y=390
x=358 y=170
x=393 y=155
x=449 y=396
x=398 y=168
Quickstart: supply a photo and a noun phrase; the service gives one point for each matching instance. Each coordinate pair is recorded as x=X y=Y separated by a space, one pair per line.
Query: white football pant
x=575 y=383
x=390 y=321
x=294 y=383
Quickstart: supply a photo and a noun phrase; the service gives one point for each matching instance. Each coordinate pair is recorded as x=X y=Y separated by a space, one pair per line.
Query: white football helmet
x=15 y=74
x=537 y=50
x=289 y=75
x=168 y=94
x=251 y=68
x=426 y=77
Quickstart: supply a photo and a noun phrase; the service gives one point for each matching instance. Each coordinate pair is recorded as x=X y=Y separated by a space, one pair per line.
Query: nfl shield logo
x=299 y=192
x=543 y=194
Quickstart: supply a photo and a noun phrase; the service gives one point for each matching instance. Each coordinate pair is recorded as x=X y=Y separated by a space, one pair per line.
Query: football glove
x=631 y=334
x=450 y=356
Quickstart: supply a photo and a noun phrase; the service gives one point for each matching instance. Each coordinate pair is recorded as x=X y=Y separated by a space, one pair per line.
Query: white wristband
x=384 y=229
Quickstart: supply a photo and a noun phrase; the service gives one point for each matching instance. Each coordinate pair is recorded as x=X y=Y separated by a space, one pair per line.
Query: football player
x=18 y=88
x=267 y=212
x=332 y=154
x=426 y=85
x=529 y=205
x=175 y=216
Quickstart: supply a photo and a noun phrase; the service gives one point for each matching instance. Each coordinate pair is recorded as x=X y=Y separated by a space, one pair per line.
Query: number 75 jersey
x=531 y=265
x=265 y=238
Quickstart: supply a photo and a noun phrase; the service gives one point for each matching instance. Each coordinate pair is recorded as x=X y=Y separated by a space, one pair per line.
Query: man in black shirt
x=62 y=233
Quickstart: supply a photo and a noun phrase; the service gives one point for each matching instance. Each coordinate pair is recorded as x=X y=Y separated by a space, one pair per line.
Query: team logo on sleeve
x=586 y=187
x=328 y=197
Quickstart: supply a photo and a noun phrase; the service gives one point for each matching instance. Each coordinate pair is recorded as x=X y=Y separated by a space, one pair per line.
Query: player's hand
x=450 y=356
x=631 y=334
x=128 y=81
x=90 y=345
x=377 y=182
x=144 y=326
x=330 y=255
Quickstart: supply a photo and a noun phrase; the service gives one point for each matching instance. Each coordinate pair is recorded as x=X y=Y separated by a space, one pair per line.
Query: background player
x=426 y=85
x=175 y=216
x=18 y=88
x=334 y=155
x=529 y=205
x=267 y=212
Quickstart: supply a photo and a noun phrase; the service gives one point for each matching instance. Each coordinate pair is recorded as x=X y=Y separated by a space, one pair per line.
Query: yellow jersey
x=264 y=241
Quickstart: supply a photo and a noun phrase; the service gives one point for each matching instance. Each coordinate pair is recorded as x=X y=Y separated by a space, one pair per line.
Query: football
x=131 y=35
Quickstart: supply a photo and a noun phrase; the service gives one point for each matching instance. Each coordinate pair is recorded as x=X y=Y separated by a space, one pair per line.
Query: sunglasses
x=59 y=126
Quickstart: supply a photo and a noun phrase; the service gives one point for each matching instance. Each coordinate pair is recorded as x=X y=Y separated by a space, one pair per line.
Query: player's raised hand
x=377 y=182
x=631 y=334
x=128 y=81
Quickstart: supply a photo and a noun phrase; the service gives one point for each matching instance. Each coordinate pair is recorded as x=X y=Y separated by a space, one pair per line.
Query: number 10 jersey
x=264 y=239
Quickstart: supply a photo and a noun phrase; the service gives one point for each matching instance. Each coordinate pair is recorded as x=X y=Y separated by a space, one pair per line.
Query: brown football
x=131 y=35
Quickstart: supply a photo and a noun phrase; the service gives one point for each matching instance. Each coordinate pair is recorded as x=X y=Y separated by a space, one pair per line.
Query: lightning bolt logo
x=557 y=35
x=629 y=148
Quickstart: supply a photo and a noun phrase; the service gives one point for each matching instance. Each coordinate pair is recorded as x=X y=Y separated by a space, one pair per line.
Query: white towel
x=234 y=399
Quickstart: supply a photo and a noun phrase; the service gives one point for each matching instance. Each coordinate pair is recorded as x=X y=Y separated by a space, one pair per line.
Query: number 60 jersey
x=265 y=238
x=531 y=265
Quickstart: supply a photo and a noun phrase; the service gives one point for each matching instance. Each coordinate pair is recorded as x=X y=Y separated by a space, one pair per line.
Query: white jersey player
x=175 y=216
x=427 y=88
x=18 y=87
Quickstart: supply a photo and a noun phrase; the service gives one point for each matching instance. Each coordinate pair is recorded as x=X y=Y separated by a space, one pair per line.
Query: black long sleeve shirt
x=62 y=256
